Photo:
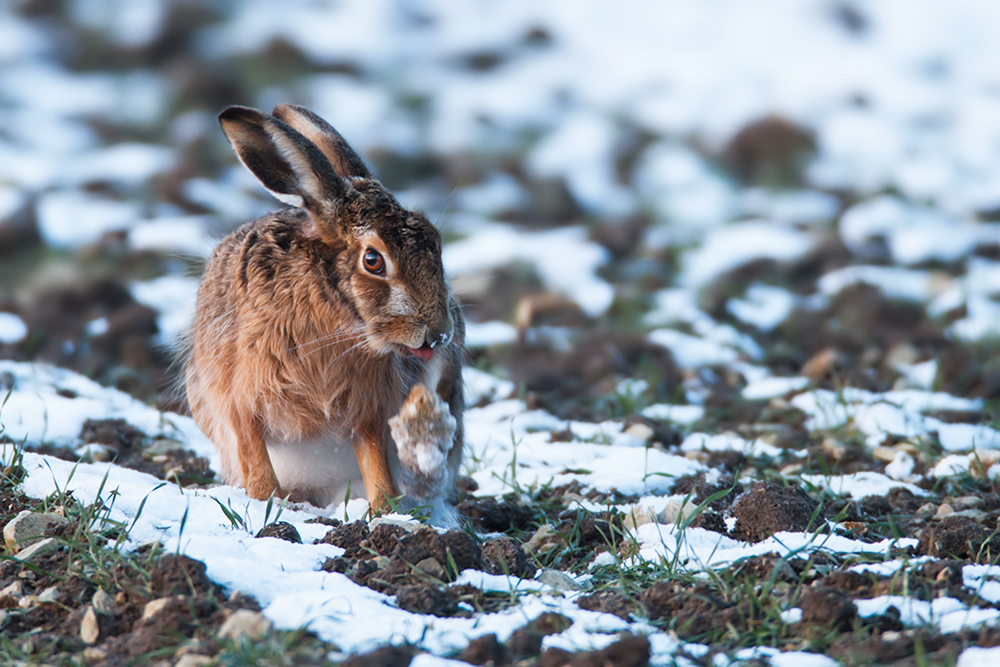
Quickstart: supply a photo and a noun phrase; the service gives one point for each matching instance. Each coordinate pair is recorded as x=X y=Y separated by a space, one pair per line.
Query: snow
x=485 y=334
x=896 y=413
x=580 y=150
x=803 y=207
x=947 y=614
x=793 y=615
x=728 y=442
x=683 y=189
x=563 y=259
x=861 y=484
x=12 y=328
x=763 y=306
x=692 y=351
x=11 y=200
x=736 y=244
x=174 y=298
x=978 y=657
x=678 y=414
x=982 y=320
x=698 y=548
x=913 y=234
x=499 y=192
x=800 y=659
x=772 y=387
x=901 y=466
x=895 y=282
x=182 y=235
x=70 y=218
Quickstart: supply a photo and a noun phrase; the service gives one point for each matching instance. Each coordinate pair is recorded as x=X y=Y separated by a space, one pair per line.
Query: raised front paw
x=424 y=433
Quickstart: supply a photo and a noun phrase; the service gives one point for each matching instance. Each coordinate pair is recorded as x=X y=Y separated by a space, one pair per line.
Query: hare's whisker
x=337 y=337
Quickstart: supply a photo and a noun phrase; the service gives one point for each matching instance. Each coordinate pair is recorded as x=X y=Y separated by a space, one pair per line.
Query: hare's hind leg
x=255 y=464
x=373 y=460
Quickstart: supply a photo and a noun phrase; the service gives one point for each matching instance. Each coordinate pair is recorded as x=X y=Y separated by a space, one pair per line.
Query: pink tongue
x=424 y=352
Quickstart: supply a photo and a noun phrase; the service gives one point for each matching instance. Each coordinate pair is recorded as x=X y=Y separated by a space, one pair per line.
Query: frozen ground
x=794 y=202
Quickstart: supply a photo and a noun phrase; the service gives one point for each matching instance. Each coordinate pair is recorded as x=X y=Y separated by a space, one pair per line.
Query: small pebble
x=243 y=622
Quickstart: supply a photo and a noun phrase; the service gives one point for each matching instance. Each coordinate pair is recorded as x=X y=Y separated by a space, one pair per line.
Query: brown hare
x=326 y=354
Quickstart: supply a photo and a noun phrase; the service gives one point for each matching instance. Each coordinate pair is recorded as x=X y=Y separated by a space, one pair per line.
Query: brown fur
x=293 y=339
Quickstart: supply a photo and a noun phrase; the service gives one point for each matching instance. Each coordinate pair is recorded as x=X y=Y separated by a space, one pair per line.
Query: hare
x=326 y=352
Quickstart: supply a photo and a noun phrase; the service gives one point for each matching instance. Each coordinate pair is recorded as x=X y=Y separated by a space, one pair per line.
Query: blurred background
x=643 y=201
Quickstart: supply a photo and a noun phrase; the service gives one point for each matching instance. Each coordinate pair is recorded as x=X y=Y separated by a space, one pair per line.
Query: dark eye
x=373 y=261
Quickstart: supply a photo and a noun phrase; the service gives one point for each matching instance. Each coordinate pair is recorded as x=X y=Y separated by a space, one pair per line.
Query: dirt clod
x=486 y=650
x=350 y=537
x=384 y=537
x=282 y=530
x=827 y=607
x=383 y=656
x=766 y=509
x=504 y=555
x=959 y=537
x=629 y=651
x=175 y=574
x=527 y=640
x=610 y=602
x=426 y=599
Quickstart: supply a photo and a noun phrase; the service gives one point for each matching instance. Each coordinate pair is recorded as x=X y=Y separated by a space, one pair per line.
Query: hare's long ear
x=343 y=158
x=286 y=163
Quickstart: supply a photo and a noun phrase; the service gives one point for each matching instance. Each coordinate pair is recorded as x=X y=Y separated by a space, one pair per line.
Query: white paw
x=424 y=433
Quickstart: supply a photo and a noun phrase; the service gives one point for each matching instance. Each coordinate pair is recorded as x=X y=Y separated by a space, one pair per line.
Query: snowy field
x=539 y=135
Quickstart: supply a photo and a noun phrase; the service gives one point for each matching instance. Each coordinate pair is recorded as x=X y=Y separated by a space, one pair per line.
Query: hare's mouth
x=424 y=352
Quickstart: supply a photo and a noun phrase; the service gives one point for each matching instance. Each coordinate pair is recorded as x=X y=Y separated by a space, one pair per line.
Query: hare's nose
x=438 y=338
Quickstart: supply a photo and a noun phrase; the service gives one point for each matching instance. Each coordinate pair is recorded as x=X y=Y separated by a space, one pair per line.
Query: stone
x=90 y=626
x=638 y=516
x=14 y=590
x=979 y=516
x=558 y=580
x=154 y=607
x=676 y=510
x=432 y=568
x=93 y=655
x=29 y=527
x=49 y=595
x=160 y=446
x=4 y=618
x=103 y=603
x=641 y=432
x=194 y=647
x=38 y=548
x=245 y=623
x=884 y=454
x=969 y=502
x=193 y=660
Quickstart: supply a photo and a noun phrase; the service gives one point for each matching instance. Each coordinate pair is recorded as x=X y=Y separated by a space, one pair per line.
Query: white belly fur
x=322 y=470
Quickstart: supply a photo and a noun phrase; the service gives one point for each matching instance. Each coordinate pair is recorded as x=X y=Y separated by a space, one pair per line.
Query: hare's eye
x=373 y=261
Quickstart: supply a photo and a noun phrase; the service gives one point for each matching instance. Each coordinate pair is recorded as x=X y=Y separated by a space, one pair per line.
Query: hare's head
x=386 y=259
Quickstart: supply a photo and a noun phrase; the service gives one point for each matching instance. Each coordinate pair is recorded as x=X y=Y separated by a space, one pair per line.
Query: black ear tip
x=236 y=112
